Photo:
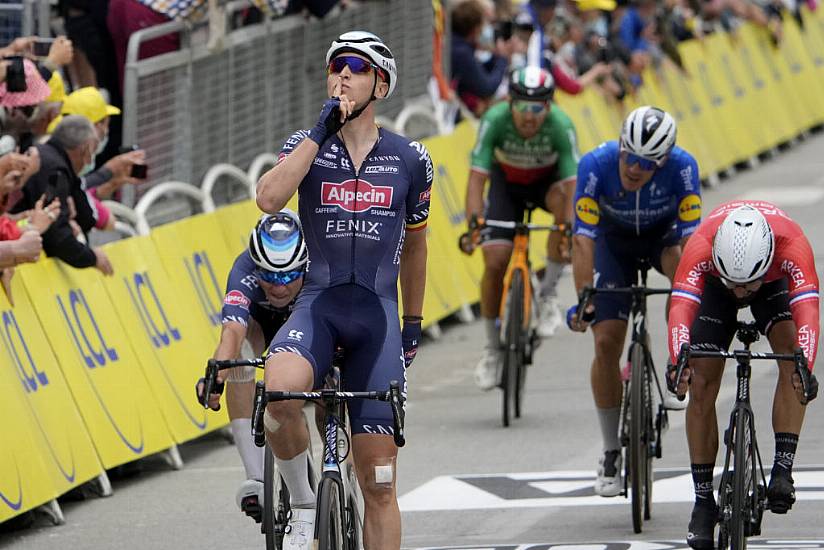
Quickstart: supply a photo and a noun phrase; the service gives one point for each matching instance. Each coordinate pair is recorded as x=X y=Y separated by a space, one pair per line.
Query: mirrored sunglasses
x=643 y=162
x=355 y=64
x=281 y=278
x=534 y=107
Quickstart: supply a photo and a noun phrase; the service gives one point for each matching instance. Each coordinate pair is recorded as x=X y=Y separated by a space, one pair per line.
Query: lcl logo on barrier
x=196 y=267
x=142 y=291
x=452 y=204
x=93 y=356
x=15 y=342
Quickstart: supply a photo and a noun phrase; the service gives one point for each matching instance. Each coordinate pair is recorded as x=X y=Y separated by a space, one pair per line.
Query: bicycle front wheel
x=742 y=481
x=639 y=455
x=331 y=524
x=513 y=348
x=275 y=503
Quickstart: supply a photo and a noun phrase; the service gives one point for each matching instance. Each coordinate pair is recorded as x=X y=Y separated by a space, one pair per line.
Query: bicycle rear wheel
x=331 y=522
x=275 y=503
x=639 y=455
x=513 y=352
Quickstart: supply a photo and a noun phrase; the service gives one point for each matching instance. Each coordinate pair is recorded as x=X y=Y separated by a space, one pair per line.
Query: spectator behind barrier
x=108 y=179
x=21 y=110
x=476 y=82
x=126 y=17
x=67 y=155
x=540 y=52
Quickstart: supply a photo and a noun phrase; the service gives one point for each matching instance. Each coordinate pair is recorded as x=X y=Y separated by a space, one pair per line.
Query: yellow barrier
x=100 y=371
x=171 y=345
x=91 y=347
x=196 y=257
x=70 y=458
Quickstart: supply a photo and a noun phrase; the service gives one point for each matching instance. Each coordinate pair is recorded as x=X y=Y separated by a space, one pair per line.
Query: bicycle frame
x=742 y=411
x=520 y=261
x=638 y=320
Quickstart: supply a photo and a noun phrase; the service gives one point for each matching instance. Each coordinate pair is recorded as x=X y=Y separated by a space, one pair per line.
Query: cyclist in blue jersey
x=260 y=293
x=364 y=202
x=638 y=198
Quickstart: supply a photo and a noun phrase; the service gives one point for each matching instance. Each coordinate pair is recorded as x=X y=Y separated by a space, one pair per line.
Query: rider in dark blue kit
x=364 y=202
x=639 y=198
x=260 y=293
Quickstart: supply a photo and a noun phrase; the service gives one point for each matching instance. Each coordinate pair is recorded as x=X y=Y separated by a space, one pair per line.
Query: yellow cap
x=587 y=5
x=58 y=89
x=88 y=102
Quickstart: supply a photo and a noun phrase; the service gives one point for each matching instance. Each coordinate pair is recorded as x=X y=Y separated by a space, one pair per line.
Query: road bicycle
x=519 y=307
x=339 y=510
x=642 y=421
x=742 y=494
x=274 y=513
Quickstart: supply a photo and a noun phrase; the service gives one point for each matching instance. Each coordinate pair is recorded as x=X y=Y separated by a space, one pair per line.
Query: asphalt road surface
x=466 y=482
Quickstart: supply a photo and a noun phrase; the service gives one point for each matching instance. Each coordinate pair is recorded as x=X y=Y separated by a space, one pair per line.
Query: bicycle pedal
x=252 y=508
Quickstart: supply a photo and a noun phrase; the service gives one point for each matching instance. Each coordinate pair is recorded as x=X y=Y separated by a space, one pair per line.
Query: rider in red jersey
x=744 y=254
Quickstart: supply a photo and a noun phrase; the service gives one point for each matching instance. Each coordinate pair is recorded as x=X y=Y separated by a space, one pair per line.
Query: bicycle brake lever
x=683 y=359
x=258 y=429
x=395 y=400
x=209 y=380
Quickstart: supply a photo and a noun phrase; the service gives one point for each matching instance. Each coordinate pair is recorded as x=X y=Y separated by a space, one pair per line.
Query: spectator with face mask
x=105 y=181
x=67 y=156
x=476 y=82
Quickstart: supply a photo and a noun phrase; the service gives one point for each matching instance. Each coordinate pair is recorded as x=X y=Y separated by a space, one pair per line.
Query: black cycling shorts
x=507 y=201
x=617 y=257
x=716 y=323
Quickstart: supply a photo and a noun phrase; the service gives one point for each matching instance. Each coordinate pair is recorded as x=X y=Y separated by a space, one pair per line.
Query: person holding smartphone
x=127 y=167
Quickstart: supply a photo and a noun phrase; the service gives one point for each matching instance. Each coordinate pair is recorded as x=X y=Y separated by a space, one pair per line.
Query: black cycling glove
x=328 y=123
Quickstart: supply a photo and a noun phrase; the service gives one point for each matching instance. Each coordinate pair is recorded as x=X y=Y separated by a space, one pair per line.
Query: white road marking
x=564 y=488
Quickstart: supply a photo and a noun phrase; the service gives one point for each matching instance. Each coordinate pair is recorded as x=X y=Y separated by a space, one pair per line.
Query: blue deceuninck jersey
x=673 y=195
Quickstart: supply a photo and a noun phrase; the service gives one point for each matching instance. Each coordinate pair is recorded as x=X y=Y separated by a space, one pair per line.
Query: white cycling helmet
x=743 y=247
x=277 y=244
x=369 y=46
x=649 y=132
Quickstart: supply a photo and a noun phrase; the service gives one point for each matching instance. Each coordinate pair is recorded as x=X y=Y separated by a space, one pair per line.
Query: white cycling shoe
x=249 y=498
x=609 y=481
x=301 y=529
x=550 y=317
x=487 y=371
x=671 y=402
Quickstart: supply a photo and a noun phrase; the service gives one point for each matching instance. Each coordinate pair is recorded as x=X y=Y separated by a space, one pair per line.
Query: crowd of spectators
x=60 y=150
x=583 y=43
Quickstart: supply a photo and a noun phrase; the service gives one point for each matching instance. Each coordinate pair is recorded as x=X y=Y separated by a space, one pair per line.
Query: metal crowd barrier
x=23 y=19
x=196 y=107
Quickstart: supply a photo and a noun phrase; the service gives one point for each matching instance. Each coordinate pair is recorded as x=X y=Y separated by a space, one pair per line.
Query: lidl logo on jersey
x=587 y=210
x=690 y=208
x=355 y=195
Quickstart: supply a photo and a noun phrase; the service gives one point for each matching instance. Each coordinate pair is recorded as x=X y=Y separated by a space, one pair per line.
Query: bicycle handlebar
x=589 y=292
x=393 y=396
x=215 y=365
x=468 y=240
x=797 y=357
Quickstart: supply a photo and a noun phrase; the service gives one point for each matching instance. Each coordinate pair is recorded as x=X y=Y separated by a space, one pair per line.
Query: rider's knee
x=607 y=346
x=378 y=483
x=495 y=264
x=240 y=375
x=282 y=413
